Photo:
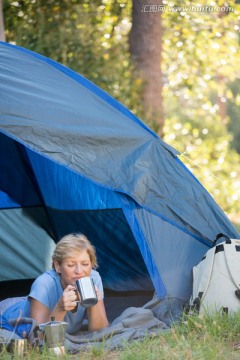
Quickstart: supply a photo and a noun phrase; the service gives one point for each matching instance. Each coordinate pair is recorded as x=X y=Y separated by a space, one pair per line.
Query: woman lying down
x=53 y=294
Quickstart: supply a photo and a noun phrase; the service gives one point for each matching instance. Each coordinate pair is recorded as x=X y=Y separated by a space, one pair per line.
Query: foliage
x=233 y=111
x=199 y=50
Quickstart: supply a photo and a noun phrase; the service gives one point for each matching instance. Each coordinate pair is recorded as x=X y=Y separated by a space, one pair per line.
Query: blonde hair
x=73 y=243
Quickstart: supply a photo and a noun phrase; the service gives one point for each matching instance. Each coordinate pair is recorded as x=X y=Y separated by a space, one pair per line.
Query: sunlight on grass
x=209 y=337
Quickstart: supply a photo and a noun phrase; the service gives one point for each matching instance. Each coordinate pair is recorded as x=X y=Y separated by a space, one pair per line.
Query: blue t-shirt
x=47 y=289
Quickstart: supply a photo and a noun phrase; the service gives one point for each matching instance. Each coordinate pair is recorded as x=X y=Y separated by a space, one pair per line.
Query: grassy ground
x=196 y=337
x=199 y=338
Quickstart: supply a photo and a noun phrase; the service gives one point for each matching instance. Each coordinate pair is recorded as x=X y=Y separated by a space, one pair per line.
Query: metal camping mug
x=87 y=292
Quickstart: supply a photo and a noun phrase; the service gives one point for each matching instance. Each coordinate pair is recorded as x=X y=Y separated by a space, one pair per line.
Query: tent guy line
x=201 y=167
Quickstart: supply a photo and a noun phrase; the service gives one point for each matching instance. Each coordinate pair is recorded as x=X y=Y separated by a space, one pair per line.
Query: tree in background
x=233 y=112
x=146 y=54
x=2 y=31
x=201 y=60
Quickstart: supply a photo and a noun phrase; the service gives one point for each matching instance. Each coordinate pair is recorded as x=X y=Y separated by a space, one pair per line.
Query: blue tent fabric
x=72 y=152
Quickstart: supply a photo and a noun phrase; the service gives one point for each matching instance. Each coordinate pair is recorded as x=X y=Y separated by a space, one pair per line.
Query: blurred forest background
x=177 y=69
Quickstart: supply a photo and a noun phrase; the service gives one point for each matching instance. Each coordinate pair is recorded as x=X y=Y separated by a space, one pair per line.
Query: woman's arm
x=97 y=318
x=38 y=311
x=41 y=313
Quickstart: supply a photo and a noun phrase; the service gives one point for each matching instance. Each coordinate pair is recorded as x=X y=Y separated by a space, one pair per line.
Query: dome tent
x=73 y=159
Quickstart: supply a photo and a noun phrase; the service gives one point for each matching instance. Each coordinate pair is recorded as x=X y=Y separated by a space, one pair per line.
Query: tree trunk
x=2 y=32
x=145 y=42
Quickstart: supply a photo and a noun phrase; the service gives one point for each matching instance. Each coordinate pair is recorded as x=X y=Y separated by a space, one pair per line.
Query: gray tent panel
x=26 y=248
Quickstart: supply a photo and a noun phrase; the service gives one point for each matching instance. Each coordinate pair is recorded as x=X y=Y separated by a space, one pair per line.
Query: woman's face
x=74 y=267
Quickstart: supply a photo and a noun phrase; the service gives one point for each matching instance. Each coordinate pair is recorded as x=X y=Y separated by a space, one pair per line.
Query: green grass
x=196 y=337
x=209 y=337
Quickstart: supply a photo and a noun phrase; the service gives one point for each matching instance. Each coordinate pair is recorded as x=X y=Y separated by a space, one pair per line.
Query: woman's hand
x=67 y=302
x=41 y=313
x=69 y=298
x=98 y=292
